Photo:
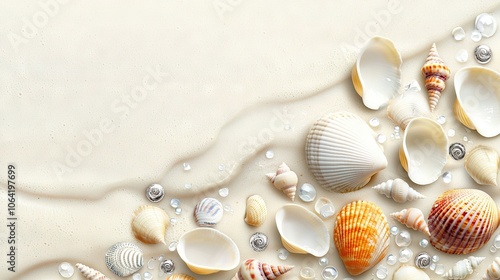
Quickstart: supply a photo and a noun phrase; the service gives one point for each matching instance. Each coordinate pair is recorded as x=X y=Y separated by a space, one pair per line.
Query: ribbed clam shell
x=90 y=273
x=398 y=190
x=493 y=271
x=208 y=212
x=409 y=105
x=377 y=74
x=124 y=258
x=462 y=220
x=412 y=218
x=285 y=180
x=463 y=268
x=408 y=272
x=302 y=231
x=361 y=235
x=149 y=224
x=207 y=251
x=253 y=269
x=424 y=150
x=180 y=277
x=482 y=165
x=342 y=152
x=436 y=73
x=256 y=211
x=478 y=99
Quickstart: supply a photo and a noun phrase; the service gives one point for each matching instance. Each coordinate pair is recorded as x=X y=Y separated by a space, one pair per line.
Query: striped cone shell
x=412 y=218
x=90 y=273
x=436 y=73
x=493 y=271
x=253 y=269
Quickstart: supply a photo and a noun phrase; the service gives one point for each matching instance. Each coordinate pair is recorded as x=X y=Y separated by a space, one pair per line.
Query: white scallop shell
x=124 y=258
x=478 y=99
x=408 y=272
x=481 y=163
x=412 y=218
x=90 y=273
x=342 y=152
x=377 y=74
x=398 y=190
x=409 y=105
x=493 y=271
x=256 y=211
x=149 y=224
x=302 y=231
x=424 y=150
x=208 y=212
x=285 y=180
x=463 y=268
x=207 y=251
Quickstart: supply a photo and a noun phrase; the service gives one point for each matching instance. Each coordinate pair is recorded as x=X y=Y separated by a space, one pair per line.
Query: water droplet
x=147 y=275
x=151 y=263
x=178 y=210
x=172 y=246
x=173 y=221
x=447 y=177
x=167 y=266
x=396 y=128
x=188 y=185
x=374 y=122
x=391 y=259
x=432 y=266
x=441 y=119
x=493 y=249
x=174 y=202
x=462 y=56
x=307 y=192
x=381 y=138
x=496 y=242
x=381 y=272
x=439 y=270
x=258 y=241
x=476 y=36
x=228 y=208
x=413 y=86
x=423 y=243
x=435 y=258
x=136 y=276
x=155 y=193
x=283 y=254
x=329 y=273
x=451 y=132
x=394 y=230
x=307 y=273
x=323 y=261
x=66 y=270
x=269 y=154
x=466 y=139
x=222 y=167
x=161 y=257
x=458 y=33
x=186 y=166
x=403 y=239
x=486 y=24
x=457 y=151
x=405 y=255
x=224 y=192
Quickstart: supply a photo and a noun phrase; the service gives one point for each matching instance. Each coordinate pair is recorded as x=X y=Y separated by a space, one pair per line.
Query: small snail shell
x=412 y=218
x=436 y=73
x=285 y=180
x=423 y=260
x=457 y=151
x=493 y=271
x=155 y=193
x=463 y=268
x=167 y=266
x=90 y=273
x=398 y=190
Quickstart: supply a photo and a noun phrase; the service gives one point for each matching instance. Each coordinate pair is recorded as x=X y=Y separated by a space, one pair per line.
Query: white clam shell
x=90 y=273
x=124 y=258
x=377 y=74
x=478 y=99
x=208 y=212
x=481 y=163
x=256 y=211
x=207 y=251
x=424 y=150
x=493 y=271
x=398 y=190
x=302 y=231
x=342 y=152
x=409 y=105
x=408 y=272
x=463 y=268
x=149 y=224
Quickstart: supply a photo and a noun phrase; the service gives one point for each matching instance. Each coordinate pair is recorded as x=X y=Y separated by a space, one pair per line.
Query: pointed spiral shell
x=463 y=268
x=253 y=269
x=256 y=211
x=90 y=273
x=398 y=190
x=493 y=271
x=285 y=180
x=436 y=73
x=482 y=165
x=412 y=218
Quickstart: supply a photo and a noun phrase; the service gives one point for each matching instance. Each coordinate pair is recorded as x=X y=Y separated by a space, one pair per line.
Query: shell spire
x=493 y=271
x=90 y=273
x=463 y=268
x=436 y=73
x=285 y=180
x=253 y=269
x=412 y=218
x=398 y=190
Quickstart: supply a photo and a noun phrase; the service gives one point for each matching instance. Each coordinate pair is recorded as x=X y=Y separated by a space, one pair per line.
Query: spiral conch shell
x=124 y=258
x=180 y=277
x=90 y=273
x=493 y=271
x=361 y=235
x=398 y=190
x=149 y=224
x=409 y=105
x=285 y=180
x=482 y=165
x=462 y=220
x=412 y=218
x=256 y=211
x=253 y=269
x=436 y=73
x=463 y=268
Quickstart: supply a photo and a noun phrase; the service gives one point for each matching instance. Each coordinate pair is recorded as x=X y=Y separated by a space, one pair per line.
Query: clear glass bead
x=178 y=210
x=374 y=122
x=186 y=166
x=405 y=255
x=307 y=192
x=447 y=177
x=283 y=254
x=66 y=270
x=476 y=36
x=381 y=272
x=136 y=276
x=391 y=259
x=451 y=132
x=439 y=270
x=458 y=33
x=228 y=208
x=174 y=202
x=224 y=192
x=222 y=167
x=462 y=56
x=147 y=275
x=151 y=263
x=188 y=186
x=423 y=243
x=403 y=239
x=493 y=249
x=496 y=242
x=324 y=207
x=435 y=258
x=465 y=138
x=441 y=119
x=307 y=273
x=432 y=266
x=173 y=221
x=172 y=246
x=323 y=261
x=381 y=138
x=394 y=230
x=329 y=273
x=269 y=154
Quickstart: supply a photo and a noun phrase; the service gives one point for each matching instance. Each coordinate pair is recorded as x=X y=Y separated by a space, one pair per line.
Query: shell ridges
x=398 y=190
x=208 y=212
x=256 y=211
x=90 y=273
x=436 y=73
x=124 y=258
x=482 y=163
x=412 y=218
x=149 y=224
x=253 y=269
x=284 y=180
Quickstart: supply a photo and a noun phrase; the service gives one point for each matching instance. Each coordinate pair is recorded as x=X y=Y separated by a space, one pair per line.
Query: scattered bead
x=458 y=33
x=147 y=275
x=187 y=186
x=447 y=177
x=174 y=202
x=258 y=241
x=432 y=266
x=374 y=122
x=329 y=273
x=423 y=260
x=224 y=192
x=493 y=249
x=476 y=36
x=381 y=138
x=423 y=243
x=394 y=230
x=324 y=207
x=155 y=193
x=381 y=272
x=439 y=270
x=167 y=266
x=178 y=210
x=435 y=258
x=391 y=259
x=403 y=239
x=482 y=53
x=462 y=56
x=161 y=258
x=269 y=154
x=66 y=270
x=172 y=246
x=186 y=166
x=136 y=276
x=151 y=263
x=451 y=132
x=441 y=119
x=323 y=261
x=307 y=273
x=283 y=254
x=228 y=208
x=457 y=151
x=307 y=192
x=405 y=255
x=486 y=24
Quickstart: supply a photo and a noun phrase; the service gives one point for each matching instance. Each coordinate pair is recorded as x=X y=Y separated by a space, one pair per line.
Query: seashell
x=253 y=269
x=482 y=54
x=478 y=99
x=259 y=241
x=463 y=268
x=155 y=193
x=462 y=220
x=436 y=73
x=407 y=272
x=124 y=258
x=208 y=212
x=180 y=277
x=412 y=218
x=377 y=74
x=90 y=273
x=302 y=231
x=409 y=105
x=493 y=271
x=207 y=251
x=149 y=224
x=284 y=180
x=167 y=266
x=342 y=152
x=361 y=235
x=256 y=211
x=482 y=165
x=424 y=150
x=423 y=260
x=457 y=151
x=398 y=190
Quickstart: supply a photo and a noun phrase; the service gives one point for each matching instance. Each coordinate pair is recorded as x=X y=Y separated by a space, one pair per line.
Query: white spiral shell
x=493 y=271
x=90 y=273
x=463 y=268
x=285 y=180
x=398 y=190
x=481 y=163
x=252 y=269
x=208 y=212
x=412 y=218
x=124 y=258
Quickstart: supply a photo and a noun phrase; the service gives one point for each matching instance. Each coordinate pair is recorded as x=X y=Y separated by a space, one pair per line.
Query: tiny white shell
x=412 y=218
x=256 y=211
x=408 y=272
x=493 y=271
x=124 y=258
x=398 y=190
x=285 y=180
x=463 y=268
x=90 y=273
x=208 y=212
x=481 y=163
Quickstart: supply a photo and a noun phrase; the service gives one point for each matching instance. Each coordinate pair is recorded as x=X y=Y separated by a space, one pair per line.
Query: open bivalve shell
x=377 y=74
x=462 y=220
x=424 y=150
x=207 y=251
x=478 y=99
x=361 y=235
x=302 y=231
x=342 y=152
